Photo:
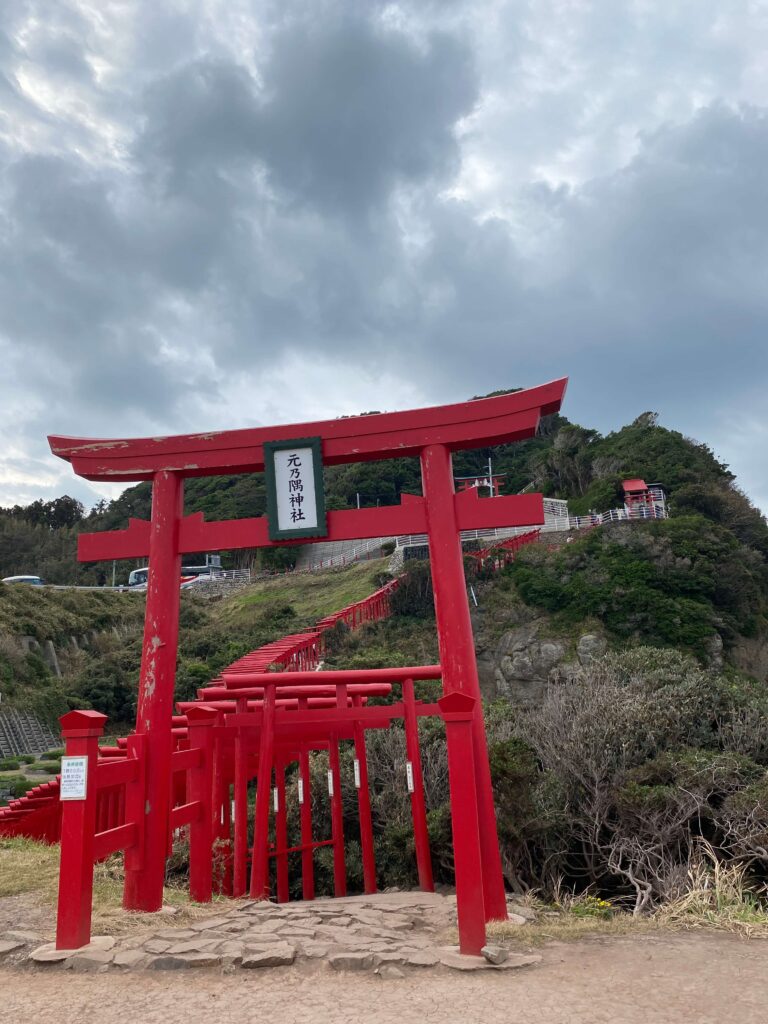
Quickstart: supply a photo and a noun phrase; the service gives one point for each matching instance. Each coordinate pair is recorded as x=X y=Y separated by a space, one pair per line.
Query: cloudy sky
x=220 y=213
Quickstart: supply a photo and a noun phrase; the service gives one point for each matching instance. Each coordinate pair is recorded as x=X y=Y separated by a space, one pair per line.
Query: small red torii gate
x=432 y=434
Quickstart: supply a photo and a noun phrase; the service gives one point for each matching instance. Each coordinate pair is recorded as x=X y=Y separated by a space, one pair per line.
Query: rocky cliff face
x=519 y=664
x=750 y=655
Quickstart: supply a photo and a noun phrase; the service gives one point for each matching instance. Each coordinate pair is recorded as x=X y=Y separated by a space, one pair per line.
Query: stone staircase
x=22 y=733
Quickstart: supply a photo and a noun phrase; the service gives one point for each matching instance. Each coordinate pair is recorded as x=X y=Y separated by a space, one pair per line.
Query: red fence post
x=239 y=882
x=220 y=811
x=457 y=710
x=364 y=809
x=457 y=651
x=135 y=802
x=337 y=819
x=281 y=834
x=418 y=808
x=81 y=731
x=305 y=805
x=260 y=859
x=144 y=886
x=200 y=723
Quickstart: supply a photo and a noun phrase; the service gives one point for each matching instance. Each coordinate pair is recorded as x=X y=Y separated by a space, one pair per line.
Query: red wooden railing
x=499 y=555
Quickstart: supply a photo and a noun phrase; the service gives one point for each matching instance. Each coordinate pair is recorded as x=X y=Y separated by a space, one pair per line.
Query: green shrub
x=50 y=767
x=414 y=595
x=671 y=582
x=9 y=764
x=12 y=787
x=52 y=755
x=633 y=761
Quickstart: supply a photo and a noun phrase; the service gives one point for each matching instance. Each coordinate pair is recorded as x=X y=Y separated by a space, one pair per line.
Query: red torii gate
x=432 y=434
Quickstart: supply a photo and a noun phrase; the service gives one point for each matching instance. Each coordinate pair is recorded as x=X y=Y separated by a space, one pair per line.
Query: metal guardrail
x=344 y=557
x=618 y=515
x=238 y=575
x=243 y=575
x=556 y=519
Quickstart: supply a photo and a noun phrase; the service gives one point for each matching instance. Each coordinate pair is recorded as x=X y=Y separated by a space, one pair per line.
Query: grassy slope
x=103 y=675
x=312 y=596
x=59 y=614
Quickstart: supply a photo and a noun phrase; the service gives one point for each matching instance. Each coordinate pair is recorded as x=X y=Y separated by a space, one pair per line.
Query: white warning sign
x=74 y=778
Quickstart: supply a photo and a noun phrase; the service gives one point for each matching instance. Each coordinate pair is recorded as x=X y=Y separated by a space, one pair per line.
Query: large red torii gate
x=432 y=434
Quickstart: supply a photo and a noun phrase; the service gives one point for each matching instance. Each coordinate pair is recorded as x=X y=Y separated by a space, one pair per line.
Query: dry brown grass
x=564 y=927
x=28 y=867
x=717 y=895
x=32 y=869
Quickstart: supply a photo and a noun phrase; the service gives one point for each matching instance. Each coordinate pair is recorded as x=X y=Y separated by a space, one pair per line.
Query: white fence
x=355 y=554
x=618 y=515
x=242 y=575
x=555 y=518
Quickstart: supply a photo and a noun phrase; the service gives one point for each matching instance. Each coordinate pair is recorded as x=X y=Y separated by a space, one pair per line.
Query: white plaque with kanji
x=295 y=499
x=295 y=489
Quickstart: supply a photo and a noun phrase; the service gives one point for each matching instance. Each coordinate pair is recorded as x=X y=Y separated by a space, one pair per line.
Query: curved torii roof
x=476 y=424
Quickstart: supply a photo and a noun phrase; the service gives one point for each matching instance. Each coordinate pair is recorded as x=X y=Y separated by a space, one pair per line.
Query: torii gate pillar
x=457 y=651
x=144 y=884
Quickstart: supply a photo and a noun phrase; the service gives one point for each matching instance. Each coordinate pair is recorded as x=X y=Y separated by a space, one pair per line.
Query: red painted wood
x=201 y=723
x=239 y=883
x=458 y=711
x=475 y=424
x=113 y=839
x=472 y=513
x=144 y=887
x=305 y=812
x=457 y=650
x=260 y=862
x=364 y=812
x=81 y=731
x=135 y=803
x=337 y=822
x=331 y=677
x=221 y=693
x=418 y=807
x=281 y=835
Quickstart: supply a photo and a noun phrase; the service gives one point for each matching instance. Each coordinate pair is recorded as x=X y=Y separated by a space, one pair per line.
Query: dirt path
x=653 y=979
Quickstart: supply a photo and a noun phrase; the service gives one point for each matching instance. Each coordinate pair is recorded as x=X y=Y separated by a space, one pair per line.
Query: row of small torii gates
x=251 y=722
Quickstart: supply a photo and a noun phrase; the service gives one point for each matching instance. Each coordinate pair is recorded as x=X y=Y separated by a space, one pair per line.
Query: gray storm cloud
x=446 y=197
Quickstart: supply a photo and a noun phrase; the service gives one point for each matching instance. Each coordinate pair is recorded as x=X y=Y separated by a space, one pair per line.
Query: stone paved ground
x=389 y=934
x=694 y=978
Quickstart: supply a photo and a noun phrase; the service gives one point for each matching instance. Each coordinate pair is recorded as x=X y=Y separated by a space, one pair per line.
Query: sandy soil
x=653 y=979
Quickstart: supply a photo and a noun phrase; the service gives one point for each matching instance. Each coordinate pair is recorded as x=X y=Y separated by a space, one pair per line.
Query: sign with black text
x=295 y=498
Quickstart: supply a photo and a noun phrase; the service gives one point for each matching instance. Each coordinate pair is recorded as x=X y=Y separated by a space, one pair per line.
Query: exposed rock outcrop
x=521 y=662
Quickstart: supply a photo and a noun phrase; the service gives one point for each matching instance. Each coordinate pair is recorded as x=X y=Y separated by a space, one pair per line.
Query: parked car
x=32 y=581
